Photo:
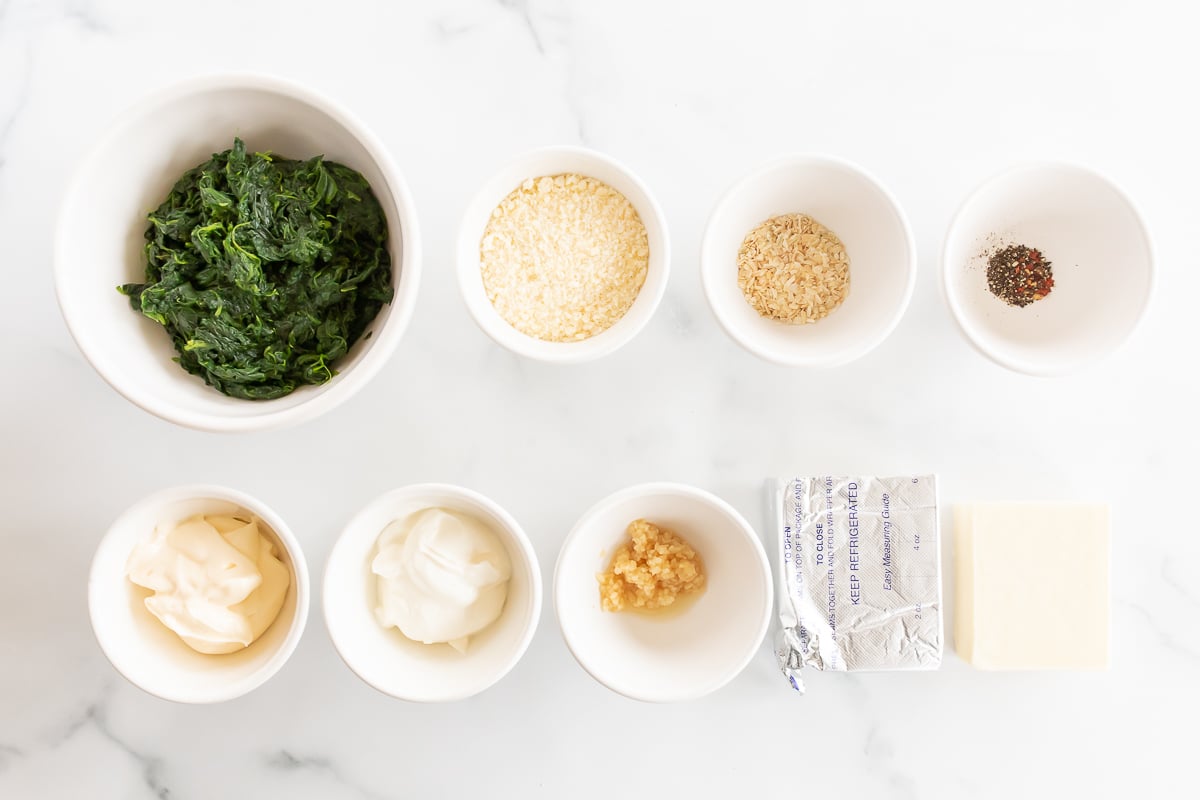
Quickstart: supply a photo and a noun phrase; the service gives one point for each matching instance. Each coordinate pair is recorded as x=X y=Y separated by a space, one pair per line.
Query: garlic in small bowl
x=432 y=593
x=198 y=594
x=714 y=622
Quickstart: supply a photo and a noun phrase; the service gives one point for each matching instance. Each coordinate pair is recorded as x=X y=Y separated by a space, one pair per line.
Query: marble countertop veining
x=931 y=96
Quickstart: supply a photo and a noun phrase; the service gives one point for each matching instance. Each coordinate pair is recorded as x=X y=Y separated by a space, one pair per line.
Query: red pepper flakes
x=1019 y=275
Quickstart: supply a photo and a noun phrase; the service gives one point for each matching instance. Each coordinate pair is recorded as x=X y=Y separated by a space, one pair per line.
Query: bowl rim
x=751 y=343
x=748 y=535
x=518 y=537
x=961 y=318
x=387 y=337
x=513 y=340
x=96 y=586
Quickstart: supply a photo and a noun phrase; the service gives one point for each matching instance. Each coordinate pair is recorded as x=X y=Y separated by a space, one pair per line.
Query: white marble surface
x=932 y=97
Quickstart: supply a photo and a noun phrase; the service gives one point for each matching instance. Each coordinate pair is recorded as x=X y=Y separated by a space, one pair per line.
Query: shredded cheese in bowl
x=563 y=257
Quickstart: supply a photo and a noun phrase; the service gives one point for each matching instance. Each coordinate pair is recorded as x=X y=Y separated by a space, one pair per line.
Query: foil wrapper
x=859 y=571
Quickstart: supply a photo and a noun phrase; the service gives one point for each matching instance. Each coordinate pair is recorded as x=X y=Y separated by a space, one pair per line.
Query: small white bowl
x=99 y=243
x=672 y=657
x=1101 y=257
x=153 y=657
x=557 y=161
x=384 y=657
x=861 y=212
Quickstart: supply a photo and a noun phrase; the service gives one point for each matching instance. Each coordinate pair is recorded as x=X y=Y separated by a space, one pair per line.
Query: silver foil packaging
x=859 y=571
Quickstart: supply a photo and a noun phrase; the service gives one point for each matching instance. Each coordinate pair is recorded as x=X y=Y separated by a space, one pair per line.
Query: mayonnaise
x=217 y=582
x=443 y=576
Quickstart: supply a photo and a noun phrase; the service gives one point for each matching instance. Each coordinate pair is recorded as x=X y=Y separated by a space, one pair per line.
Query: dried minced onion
x=793 y=269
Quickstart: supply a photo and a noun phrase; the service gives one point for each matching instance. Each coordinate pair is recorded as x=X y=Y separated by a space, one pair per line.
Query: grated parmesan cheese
x=563 y=257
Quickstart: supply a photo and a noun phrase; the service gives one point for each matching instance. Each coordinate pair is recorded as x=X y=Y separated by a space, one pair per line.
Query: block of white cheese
x=1032 y=586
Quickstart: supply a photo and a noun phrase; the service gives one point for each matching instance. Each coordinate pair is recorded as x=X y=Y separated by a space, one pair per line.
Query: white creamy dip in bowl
x=148 y=653
x=387 y=659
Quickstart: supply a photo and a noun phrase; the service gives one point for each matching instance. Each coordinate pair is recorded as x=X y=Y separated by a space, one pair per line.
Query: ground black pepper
x=1019 y=275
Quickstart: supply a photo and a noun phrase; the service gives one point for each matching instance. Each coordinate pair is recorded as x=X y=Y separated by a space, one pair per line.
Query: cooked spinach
x=265 y=270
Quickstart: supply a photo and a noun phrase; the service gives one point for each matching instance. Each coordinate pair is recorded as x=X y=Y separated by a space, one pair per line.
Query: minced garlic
x=652 y=570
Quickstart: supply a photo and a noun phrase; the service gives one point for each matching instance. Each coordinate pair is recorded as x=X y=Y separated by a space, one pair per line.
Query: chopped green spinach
x=265 y=270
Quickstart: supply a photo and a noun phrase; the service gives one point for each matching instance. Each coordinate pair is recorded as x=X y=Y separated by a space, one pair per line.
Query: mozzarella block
x=1032 y=586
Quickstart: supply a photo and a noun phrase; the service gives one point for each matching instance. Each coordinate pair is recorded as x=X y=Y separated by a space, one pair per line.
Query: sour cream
x=442 y=576
x=217 y=581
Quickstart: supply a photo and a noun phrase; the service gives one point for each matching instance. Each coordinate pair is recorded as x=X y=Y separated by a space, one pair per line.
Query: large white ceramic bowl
x=384 y=657
x=100 y=239
x=861 y=212
x=556 y=161
x=148 y=653
x=1101 y=257
x=668 y=657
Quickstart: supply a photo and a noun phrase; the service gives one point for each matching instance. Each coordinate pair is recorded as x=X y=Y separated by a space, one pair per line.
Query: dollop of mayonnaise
x=442 y=576
x=217 y=581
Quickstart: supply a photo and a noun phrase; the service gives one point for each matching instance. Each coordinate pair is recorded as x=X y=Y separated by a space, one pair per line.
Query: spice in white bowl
x=866 y=219
x=793 y=269
x=1094 y=268
x=1019 y=275
x=563 y=257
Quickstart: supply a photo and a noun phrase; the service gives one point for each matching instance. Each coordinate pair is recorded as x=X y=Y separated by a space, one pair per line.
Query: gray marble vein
x=8 y=754
x=447 y=30
x=548 y=29
x=1177 y=584
x=79 y=12
x=94 y=717
x=880 y=753
x=84 y=14
x=150 y=766
x=286 y=761
x=522 y=10
x=20 y=99
x=1165 y=636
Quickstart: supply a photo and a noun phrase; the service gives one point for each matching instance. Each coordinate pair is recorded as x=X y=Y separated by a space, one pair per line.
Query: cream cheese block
x=1032 y=586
